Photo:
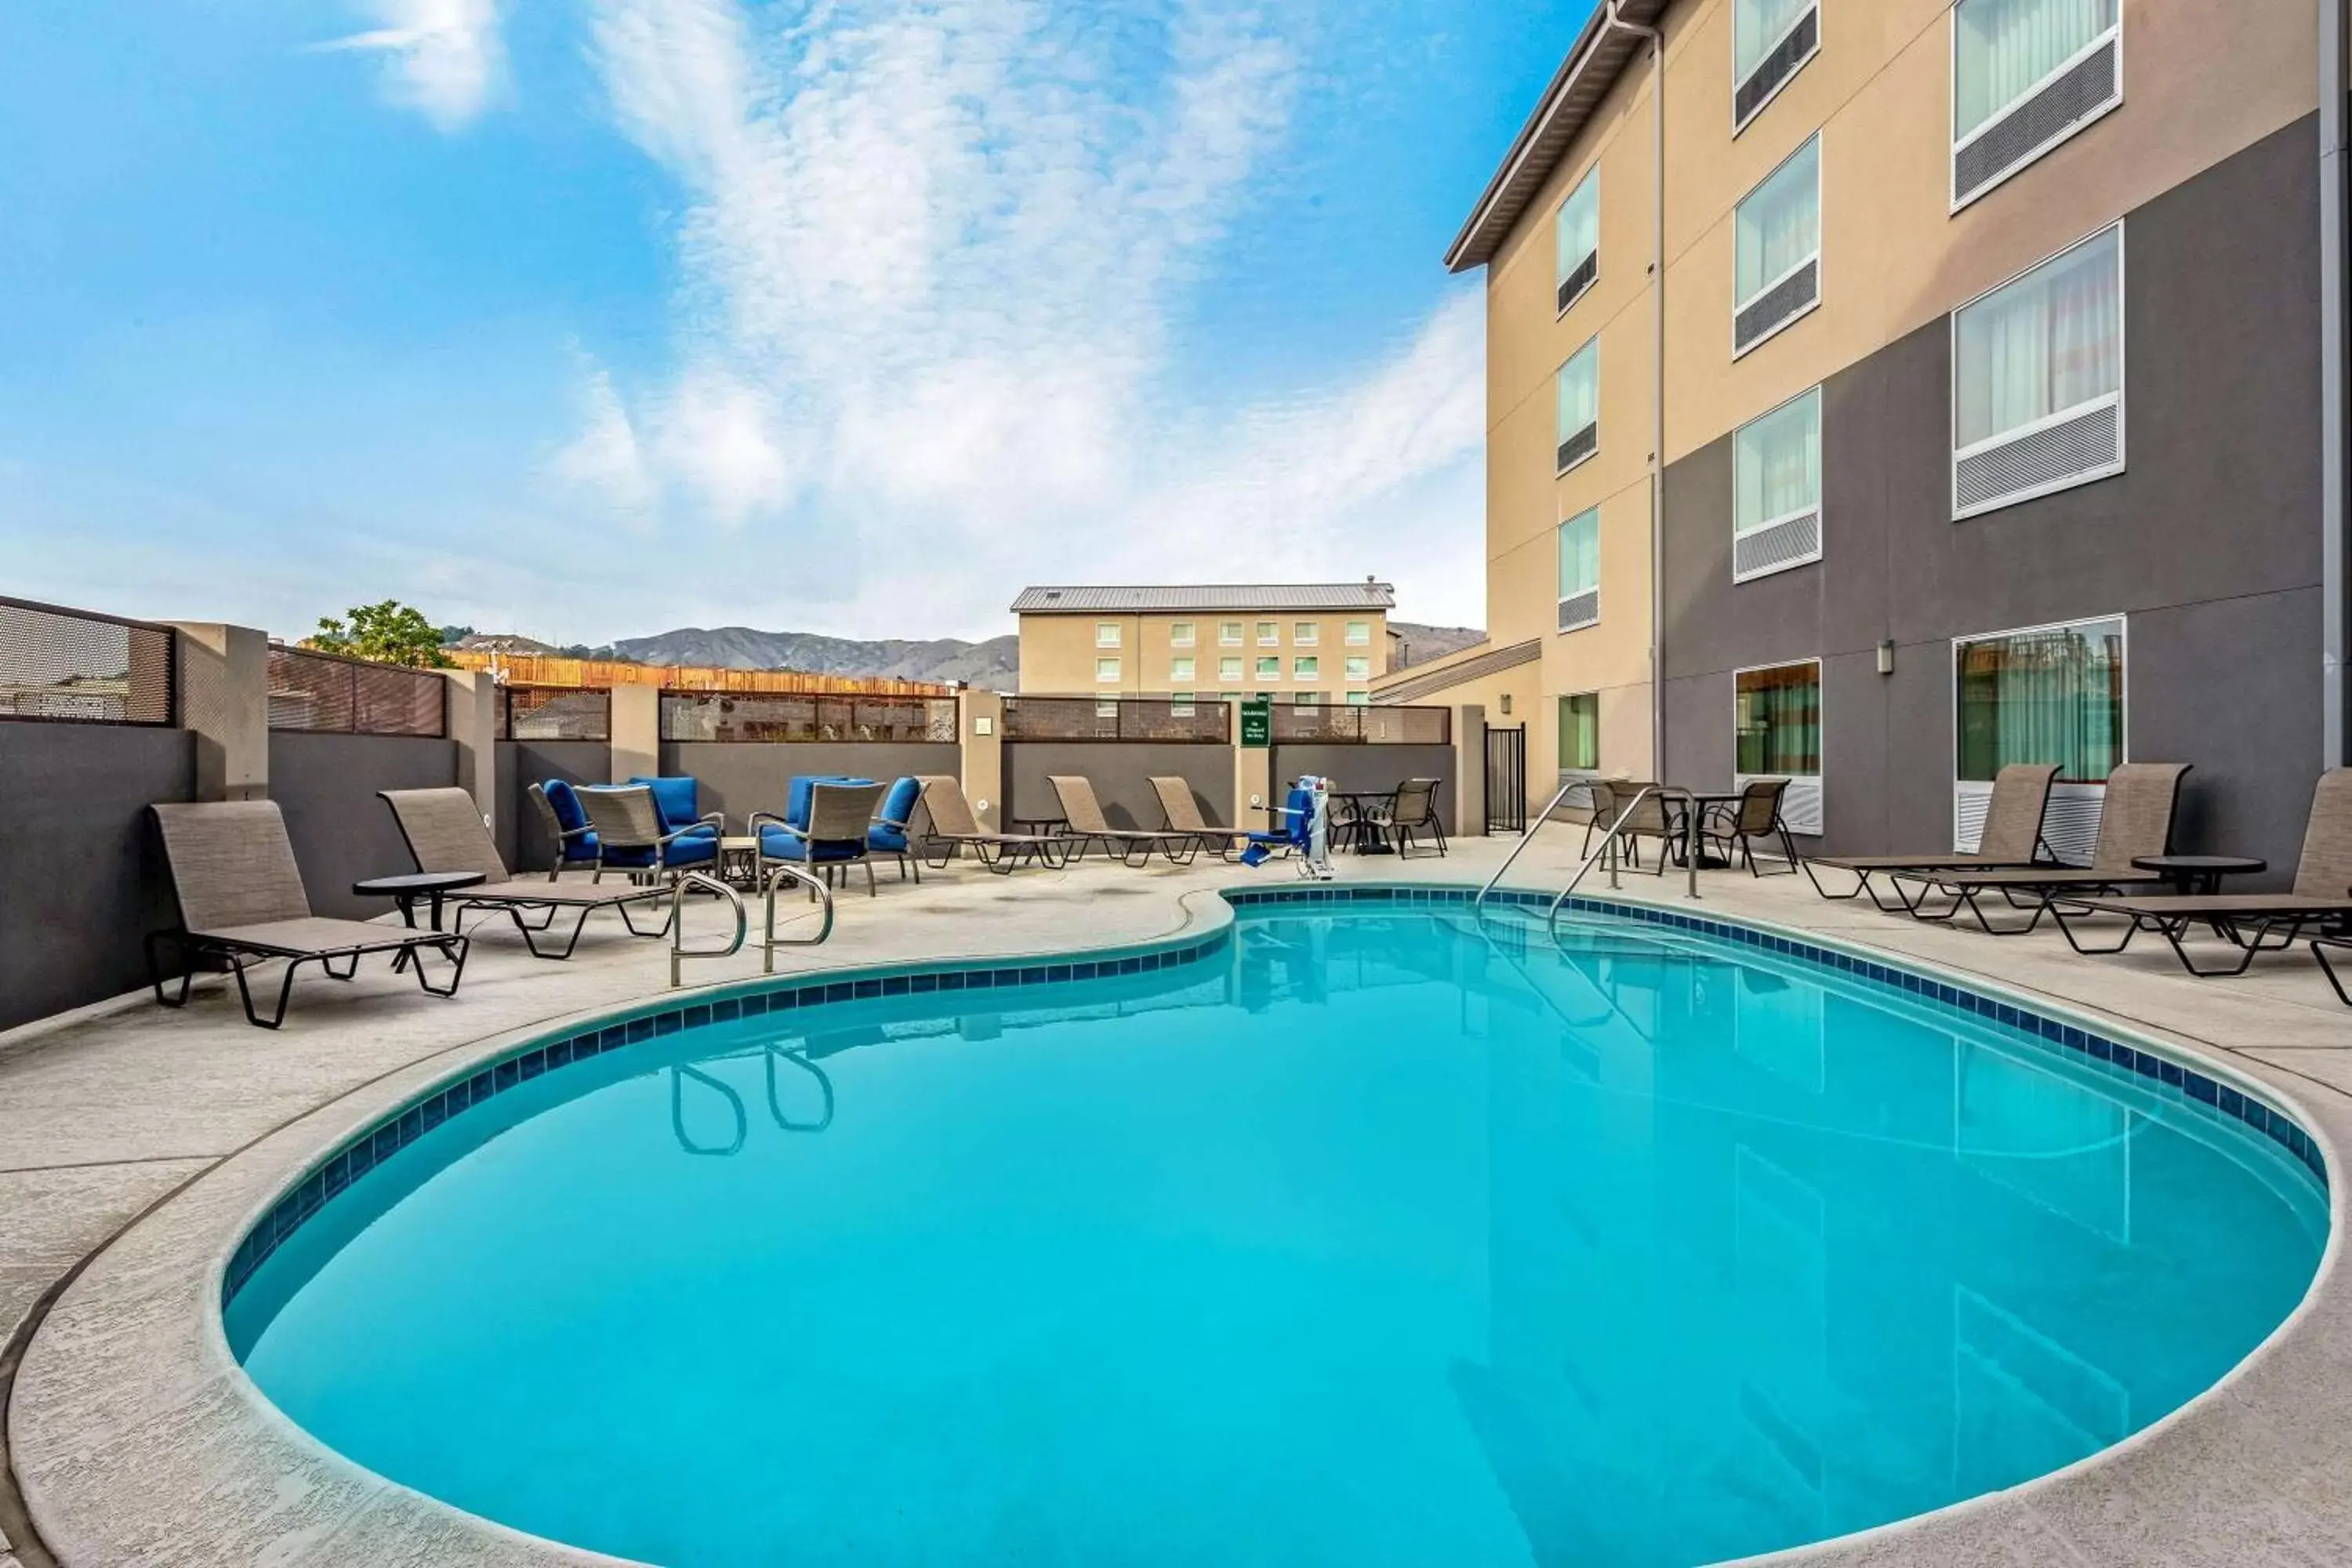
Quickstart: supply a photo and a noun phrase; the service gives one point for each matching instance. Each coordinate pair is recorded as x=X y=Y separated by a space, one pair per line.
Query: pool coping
x=250 y=1188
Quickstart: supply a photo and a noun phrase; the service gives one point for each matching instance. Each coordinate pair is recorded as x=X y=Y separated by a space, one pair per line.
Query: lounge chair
x=954 y=827
x=1758 y=815
x=834 y=838
x=2135 y=821
x=630 y=834
x=241 y=902
x=2251 y=923
x=566 y=821
x=891 y=831
x=1088 y=826
x=2009 y=840
x=1180 y=812
x=445 y=833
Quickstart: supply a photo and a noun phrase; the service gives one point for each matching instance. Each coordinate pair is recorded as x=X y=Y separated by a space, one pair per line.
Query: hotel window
x=1179 y=634
x=1179 y=669
x=1229 y=697
x=1575 y=241
x=1358 y=667
x=1360 y=634
x=1359 y=698
x=1776 y=490
x=1579 y=732
x=2027 y=75
x=1770 y=42
x=1307 y=700
x=2053 y=694
x=1579 y=571
x=1269 y=668
x=1106 y=634
x=1304 y=633
x=1229 y=634
x=2038 y=380
x=1306 y=667
x=1778 y=241
x=1777 y=734
x=1107 y=710
x=1579 y=427
x=1230 y=668
x=1269 y=634
x=1106 y=669
x=1179 y=705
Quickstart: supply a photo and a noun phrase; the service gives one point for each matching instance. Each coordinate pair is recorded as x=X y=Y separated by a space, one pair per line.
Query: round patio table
x=2195 y=876
x=406 y=890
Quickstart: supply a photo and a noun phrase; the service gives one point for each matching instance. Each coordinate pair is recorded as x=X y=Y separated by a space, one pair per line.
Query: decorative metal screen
x=1793 y=51
x=2078 y=448
x=1362 y=724
x=322 y=693
x=1580 y=610
x=1784 y=544
x=2094 y=84
x=1572 y=287
x=1778 y=305
x=1118 y=718
x=74 y=666
x=554 y=714
x=774 y=717
x=1579 y=446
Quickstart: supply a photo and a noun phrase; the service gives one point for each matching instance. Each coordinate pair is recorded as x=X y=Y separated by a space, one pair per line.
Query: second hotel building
x=1981 y=416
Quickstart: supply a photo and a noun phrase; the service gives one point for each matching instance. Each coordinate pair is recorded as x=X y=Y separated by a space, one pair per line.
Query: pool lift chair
x=1303 y=821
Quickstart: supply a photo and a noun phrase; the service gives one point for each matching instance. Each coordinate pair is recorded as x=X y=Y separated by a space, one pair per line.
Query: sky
x=588 y=319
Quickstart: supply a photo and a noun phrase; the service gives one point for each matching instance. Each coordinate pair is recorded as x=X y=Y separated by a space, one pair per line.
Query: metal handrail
x=678 y=952
x=769 y=941
x=1607 y=846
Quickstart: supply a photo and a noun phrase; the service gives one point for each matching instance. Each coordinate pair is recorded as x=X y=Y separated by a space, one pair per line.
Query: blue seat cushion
x=691 y=849
x=778 y=845
x=796 y=794
x=677 y=801
x=898 y=805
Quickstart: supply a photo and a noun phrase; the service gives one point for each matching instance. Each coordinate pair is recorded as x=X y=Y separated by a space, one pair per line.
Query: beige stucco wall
x=1058 y=653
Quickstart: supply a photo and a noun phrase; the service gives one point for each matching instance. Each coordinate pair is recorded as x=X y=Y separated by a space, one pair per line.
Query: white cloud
x=605 y=463
x=934 y=254
x=444 y=57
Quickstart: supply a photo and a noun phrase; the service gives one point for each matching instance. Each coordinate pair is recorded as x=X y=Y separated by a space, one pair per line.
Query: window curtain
x=1778 y=721
x=1755 y=26
x=1579 y=731
x=1580 y=554
x=2054 y=696
x=2049 y=342
x=1579 y=390
x=2002 y=47
x=1777 y=464
x=1779 y=222
x=1578 y=230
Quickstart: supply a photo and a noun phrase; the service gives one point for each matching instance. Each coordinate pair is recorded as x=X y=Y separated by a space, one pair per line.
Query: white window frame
x=1180 y=634
x=1306 y=633
x=1360 y=700
x=1356 y=667
x=1229 y=634
x=1264 y=674
x=1229 y=667
x=1107 y=670
x=1591 y=177
x=1819 y=791
x=1591 y=346
x=1738 y=81
x=1960 y=142
x=1820 y=507
x=1306 y=667
x=1107 y=634
x=2064 y=797
x=1269 y=634
x=2115 y=399
x=1179 y=705
x=1360 y=634
x=1307 y=700
x=1559 y=529
x=1179 y=668
x=1820 y=279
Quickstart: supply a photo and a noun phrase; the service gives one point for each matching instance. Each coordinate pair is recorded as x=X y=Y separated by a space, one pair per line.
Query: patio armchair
x=952 y=827
x=566 y=821
x=1758 y=815
x=241 y=902
x=678 y=802
x=892 y=830
x=1412 y=811
x=2010 y=840
x=834 y=838
x=1088 y=826
x=630 y=836
x=444 y=832
x=1658 y=815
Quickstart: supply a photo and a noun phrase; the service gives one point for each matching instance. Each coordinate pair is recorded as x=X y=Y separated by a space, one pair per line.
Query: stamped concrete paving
x=135 y=1440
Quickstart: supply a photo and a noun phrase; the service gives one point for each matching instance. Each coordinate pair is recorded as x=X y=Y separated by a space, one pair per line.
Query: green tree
x=388 y=632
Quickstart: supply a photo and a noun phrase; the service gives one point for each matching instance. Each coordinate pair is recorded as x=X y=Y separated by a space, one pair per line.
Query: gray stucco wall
x=1371 y=768
x=523 y=840
x=2209 y=542
x=82 y=878
x=741 y=777
x=1121 y=771
x=327 y=785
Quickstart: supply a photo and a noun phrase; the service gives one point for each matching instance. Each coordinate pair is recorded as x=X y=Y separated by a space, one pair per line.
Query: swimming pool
x=1364 y=1231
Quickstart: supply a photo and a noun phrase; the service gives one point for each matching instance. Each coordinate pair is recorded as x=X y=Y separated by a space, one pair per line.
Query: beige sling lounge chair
x=2010 y=840
x=1088 y=826
x=1180 y=812
x=954 y=827
x=241 y=902
x=445 y=833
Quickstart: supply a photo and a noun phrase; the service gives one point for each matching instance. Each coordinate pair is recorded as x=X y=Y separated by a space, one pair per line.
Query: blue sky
x=591 y=318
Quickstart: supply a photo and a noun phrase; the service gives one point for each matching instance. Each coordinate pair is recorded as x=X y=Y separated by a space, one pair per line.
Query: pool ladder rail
x=769 y=941
x=1607 y=849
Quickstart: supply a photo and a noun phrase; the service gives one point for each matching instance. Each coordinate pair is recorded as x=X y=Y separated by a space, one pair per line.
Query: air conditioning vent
x=1791 y=542
x=2070 y=825
x=2088 y=88
x=1580 y=610
x=1778 y=305
x=2089 y=446
x=1579 y=446
x=1800 y=803
x=1800 y=44
x=1572 y=287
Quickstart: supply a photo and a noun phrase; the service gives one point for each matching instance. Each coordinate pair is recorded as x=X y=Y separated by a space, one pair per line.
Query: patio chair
x=2010 y=840
x=444 y=832
x=1088 y=826
x=241 y=902
x=952 y=826
x=1180 y=812
x=2251 y=923
x=677 y=803
x=892 y=830
x=1656 y=816
x=1410 y=812
x=2136 y=821
x=840 y=816
x=630 y=836
x=566 y=821
x=1758 y=815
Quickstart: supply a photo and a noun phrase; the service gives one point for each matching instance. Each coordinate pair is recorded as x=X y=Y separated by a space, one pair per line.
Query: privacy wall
x=326 y=784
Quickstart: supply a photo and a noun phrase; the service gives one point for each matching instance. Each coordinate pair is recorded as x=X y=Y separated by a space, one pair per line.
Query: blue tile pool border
x=394 y=1131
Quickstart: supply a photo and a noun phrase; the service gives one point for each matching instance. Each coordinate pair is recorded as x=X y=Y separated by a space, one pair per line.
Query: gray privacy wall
x=2208 y=544
x=523 y=840
x=82 y=878
x=1121 y=773
x=741 y=777
x=327 y=784
x=1372 y=769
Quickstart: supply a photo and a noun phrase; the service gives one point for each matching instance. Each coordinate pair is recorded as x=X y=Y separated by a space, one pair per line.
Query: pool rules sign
x=1257 y=722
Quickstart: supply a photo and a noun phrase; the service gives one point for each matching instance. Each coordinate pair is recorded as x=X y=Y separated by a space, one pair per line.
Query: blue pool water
x=1371 y=1237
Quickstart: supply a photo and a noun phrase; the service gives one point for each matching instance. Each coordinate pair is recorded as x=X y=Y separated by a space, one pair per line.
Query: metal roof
x=1583 y=80
x=1412 y=683
x=1206 y=598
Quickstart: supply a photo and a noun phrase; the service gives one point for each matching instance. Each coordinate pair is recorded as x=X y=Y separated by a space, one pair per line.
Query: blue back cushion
x=1299 y=824
x=571 y=816
x=898 y=805
x=677 y=801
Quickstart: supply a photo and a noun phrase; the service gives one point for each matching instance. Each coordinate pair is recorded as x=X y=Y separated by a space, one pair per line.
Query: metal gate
x=1506 y=779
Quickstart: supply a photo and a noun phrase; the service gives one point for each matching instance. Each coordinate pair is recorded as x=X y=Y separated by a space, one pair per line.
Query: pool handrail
x=678 y=952
x=778 y=873
x=1606 y=846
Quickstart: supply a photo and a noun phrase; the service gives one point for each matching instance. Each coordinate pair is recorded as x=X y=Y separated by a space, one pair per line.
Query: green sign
x=1257 y=722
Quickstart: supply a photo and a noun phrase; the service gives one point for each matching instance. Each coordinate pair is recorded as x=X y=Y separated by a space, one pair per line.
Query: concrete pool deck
x=136 y=1144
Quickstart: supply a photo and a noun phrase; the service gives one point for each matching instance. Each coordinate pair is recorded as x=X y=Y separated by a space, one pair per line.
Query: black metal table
x=404 y=890
x=2198 y=876
x=1698 y=803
